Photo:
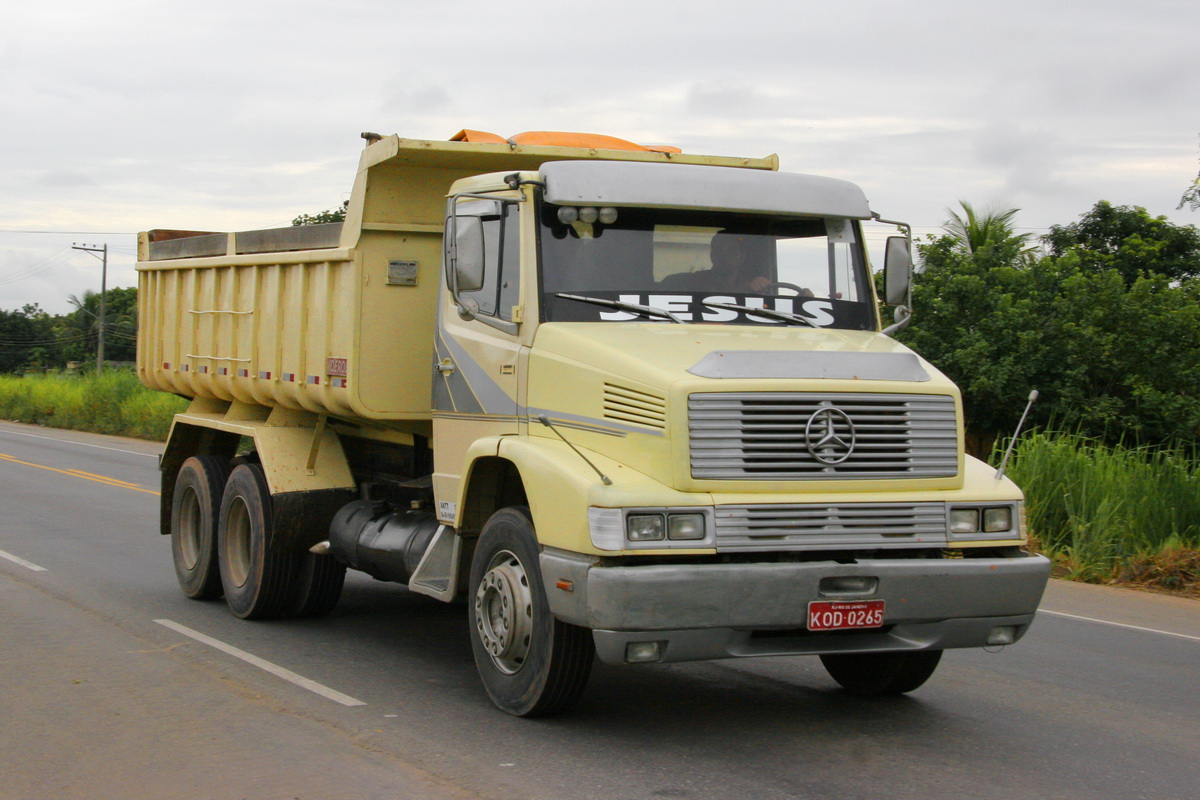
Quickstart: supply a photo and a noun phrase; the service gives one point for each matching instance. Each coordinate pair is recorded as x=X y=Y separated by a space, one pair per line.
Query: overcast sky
x=128 y=115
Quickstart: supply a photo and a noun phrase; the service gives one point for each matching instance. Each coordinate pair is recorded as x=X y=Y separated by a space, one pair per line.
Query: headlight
x=984 y=522
x=997 y=519
x=685 y=527
x=642 y=528
x=645 y=527
x=964 y=520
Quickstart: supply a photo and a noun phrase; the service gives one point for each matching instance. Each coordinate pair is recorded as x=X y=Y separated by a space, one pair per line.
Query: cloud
x=64 y=179
x=723 y=98
x=411 y=96
x=1027 y=160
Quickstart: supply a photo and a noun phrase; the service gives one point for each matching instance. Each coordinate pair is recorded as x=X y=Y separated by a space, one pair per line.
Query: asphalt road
x=114 y=685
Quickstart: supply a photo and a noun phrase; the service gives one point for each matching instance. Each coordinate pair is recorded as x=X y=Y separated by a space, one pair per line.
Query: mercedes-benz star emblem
x=825 y=442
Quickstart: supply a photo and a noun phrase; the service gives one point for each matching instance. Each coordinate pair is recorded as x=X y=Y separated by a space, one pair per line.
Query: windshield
x=696 y=265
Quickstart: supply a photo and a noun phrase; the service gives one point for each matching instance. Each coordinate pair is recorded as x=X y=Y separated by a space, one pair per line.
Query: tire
x=531 y=663
x=195 y=509
x=874 y=674
x=319 y=582
x=258 y=582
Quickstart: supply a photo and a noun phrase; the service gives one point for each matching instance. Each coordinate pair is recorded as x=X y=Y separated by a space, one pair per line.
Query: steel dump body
x=331 y=319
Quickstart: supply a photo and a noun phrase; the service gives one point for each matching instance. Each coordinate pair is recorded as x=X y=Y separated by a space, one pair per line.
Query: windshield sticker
x=715 y=308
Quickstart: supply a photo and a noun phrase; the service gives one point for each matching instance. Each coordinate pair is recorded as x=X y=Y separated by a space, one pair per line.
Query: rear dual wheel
x=318 y=585
x=195 y=509
x=259 y=582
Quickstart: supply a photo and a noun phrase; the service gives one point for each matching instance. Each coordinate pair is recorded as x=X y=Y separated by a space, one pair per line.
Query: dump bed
x=337 y=318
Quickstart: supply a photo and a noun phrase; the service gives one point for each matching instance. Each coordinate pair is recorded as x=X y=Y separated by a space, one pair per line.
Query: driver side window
x=499 y=289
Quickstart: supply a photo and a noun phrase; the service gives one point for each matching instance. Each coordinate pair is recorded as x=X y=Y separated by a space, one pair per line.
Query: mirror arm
x=452 y=249
x=903 y=316
x=905 y=228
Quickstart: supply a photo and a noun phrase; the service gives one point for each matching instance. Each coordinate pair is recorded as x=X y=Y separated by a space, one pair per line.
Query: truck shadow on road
x=387 y=630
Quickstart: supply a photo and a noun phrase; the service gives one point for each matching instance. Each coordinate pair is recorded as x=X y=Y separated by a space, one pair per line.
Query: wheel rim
x=504 y=612
x=237 y=542
x=189 y=528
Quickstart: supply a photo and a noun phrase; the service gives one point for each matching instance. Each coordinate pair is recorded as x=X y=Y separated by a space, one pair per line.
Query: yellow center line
x=104 y=478
x=75 y=473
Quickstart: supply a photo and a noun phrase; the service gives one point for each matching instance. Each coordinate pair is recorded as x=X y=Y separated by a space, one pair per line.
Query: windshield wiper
x=769 y=313
x=652 y=311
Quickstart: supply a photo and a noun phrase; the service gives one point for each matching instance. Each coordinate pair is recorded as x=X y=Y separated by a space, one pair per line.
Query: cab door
x=478 y=352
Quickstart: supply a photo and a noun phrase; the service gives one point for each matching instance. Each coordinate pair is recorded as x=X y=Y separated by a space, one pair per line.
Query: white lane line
x=1120 y=625
x=22 y=562
x=80 y=444
x=262 y=664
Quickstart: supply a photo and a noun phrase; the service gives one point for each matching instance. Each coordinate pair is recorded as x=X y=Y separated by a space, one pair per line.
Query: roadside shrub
x=113 y=402
x=1099 y=510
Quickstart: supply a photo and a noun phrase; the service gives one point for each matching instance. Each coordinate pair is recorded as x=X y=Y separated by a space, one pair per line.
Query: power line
x=63 y=334
x=47 y=263
x=15 y=344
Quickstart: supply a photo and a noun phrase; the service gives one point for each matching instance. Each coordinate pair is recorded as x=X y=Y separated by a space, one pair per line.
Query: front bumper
x=704 y=611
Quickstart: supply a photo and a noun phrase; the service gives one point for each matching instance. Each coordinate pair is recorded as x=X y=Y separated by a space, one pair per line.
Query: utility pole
x=103 y=256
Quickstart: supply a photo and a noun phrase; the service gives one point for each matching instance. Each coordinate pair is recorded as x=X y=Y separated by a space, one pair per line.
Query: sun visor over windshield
x=613 y=183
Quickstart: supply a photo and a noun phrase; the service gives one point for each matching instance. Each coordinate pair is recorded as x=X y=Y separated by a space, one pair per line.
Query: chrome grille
x=824 y=527
x=767 y=436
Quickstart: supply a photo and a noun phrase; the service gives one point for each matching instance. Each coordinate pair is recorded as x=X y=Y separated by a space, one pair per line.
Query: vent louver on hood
x=623 y=404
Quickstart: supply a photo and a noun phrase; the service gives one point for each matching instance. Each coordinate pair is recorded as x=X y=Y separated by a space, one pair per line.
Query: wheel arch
x=302 y=459
x=492 y=483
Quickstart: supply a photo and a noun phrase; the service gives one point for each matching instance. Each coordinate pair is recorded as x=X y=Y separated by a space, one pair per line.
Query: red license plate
x=833 y=615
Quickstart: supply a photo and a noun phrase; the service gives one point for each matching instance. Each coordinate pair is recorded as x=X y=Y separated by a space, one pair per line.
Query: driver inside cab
x=735 y=269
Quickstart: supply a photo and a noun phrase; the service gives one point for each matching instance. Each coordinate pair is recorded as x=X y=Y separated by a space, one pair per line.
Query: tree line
x=33 y=339
x=1101 y=316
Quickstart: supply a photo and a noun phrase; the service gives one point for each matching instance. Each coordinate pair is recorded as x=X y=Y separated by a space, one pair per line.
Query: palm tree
x=79 y=330
x=1191 y=198
x=988 y=234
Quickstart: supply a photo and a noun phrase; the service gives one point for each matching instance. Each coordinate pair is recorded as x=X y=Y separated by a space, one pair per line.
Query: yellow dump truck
x=626 y=402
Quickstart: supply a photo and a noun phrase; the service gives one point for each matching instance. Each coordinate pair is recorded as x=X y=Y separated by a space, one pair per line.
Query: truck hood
x=625 y=390
x=659 y=354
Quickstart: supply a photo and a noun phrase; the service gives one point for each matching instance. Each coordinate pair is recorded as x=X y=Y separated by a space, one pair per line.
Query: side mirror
x=897 y=270
x=464 y=254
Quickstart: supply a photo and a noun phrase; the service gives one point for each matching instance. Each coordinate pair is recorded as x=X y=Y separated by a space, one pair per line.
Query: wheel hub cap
x=504 y=612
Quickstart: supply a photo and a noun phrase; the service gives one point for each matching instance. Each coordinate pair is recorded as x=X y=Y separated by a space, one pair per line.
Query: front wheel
x=873 y=674
x=531 y=663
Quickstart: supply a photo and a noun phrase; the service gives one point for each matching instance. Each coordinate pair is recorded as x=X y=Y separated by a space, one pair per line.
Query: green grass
x=113 y=402
x=1101 y=511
